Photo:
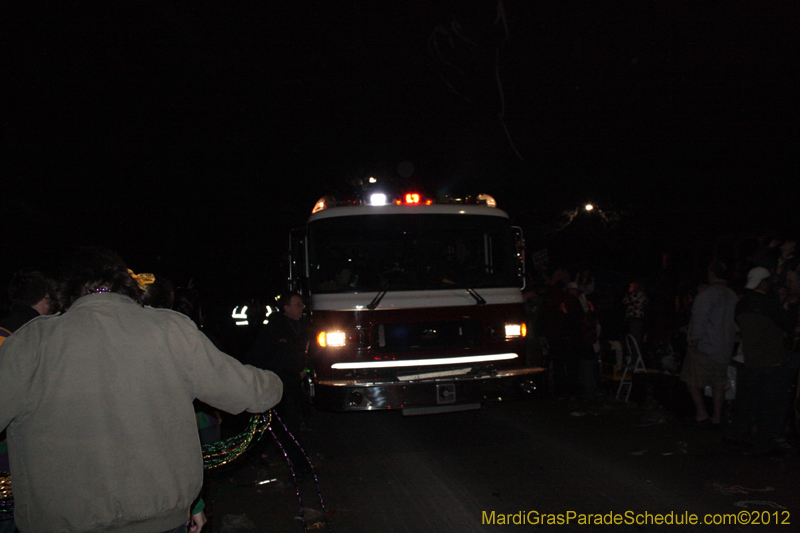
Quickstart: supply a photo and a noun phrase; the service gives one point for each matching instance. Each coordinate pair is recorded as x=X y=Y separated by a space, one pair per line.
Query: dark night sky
x=191 y=137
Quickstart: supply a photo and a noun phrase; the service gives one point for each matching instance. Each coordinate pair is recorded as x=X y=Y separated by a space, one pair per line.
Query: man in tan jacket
x=98 y=404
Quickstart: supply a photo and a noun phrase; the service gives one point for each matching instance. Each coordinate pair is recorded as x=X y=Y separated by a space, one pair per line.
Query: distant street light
x=589 y=207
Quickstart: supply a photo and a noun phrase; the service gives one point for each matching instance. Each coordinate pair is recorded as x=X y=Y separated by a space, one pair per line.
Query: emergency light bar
x=408 y=198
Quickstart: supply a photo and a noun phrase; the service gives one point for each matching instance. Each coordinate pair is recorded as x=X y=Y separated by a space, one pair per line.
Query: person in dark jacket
x=281 y=347
x=765 y=375
x=562 y=329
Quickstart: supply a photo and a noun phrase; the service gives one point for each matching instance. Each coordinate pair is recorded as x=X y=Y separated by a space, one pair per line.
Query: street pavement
x=381 y=471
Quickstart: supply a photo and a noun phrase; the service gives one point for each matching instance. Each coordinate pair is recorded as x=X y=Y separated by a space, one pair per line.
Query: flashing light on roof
x=322 y=203
x=372 y=180
x=377 y=198
x=413 y=198
x=410 y=198
x=490 y=201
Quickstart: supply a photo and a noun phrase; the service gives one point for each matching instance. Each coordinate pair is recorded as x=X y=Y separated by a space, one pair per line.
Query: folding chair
x=634 y=366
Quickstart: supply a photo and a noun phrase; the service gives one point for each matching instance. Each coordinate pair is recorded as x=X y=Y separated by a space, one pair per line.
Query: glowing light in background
x=240 y=316
x=377 y=199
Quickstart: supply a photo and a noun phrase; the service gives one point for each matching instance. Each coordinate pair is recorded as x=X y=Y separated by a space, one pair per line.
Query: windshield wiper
x=378 y=297
x=478 y=299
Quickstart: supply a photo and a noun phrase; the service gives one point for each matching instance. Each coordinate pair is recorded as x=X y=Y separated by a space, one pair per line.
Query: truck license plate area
x=446 y=393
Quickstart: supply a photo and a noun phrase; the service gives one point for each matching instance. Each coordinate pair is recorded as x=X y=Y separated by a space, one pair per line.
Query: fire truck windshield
x=398 y=252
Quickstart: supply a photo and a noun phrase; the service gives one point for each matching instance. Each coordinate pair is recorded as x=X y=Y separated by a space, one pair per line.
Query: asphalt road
x=380 y=471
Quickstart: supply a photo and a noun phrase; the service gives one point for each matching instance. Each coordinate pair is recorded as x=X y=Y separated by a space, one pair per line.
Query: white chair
x=635 y=365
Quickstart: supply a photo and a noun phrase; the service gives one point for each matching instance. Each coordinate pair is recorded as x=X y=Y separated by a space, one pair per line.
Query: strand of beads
x=225 y=451
x=6 y=497
x=98 y=290
x=293 y=440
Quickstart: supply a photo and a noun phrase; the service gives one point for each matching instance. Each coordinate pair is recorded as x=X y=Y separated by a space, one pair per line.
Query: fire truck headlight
x=515 y=330
x=331 y=338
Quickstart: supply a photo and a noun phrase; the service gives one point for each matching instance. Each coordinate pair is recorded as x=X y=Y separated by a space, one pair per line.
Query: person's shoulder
x=169 y=315
x=715 y=289
x=721 y=291
x=704 y=293
x=41 y=320
x=33 y=326
x=277 y=321
x=18 y=315
x=169 y=319
x=749 y=294
x=730 y=293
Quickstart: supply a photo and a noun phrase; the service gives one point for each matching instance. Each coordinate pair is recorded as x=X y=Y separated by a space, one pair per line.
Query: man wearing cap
x=711 y=336
x=780 y=259
x=764 y=377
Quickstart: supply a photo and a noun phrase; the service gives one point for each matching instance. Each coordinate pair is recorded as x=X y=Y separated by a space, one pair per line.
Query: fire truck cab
x=416 y=303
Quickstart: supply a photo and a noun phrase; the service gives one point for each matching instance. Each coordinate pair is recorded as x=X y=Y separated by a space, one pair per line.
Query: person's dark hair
x=284 y=299
x=187 y=301
x=28 y=287
x=719 y=269
x=91 y=268
x=160 y=293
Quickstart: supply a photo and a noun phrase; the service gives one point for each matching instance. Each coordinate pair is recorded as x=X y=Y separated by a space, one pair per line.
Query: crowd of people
x=122 y=356
x=737 y=336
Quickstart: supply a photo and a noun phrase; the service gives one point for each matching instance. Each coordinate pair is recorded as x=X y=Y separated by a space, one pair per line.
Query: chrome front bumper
x=449 y=393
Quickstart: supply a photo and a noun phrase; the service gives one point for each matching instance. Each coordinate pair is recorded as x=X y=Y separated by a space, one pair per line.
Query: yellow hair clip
x=142 y=279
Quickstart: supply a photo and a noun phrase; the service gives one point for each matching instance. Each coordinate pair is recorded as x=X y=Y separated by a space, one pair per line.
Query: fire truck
x=416 y=303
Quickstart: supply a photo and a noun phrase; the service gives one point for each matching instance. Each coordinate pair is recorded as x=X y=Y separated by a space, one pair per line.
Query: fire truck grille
x=427 y=336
